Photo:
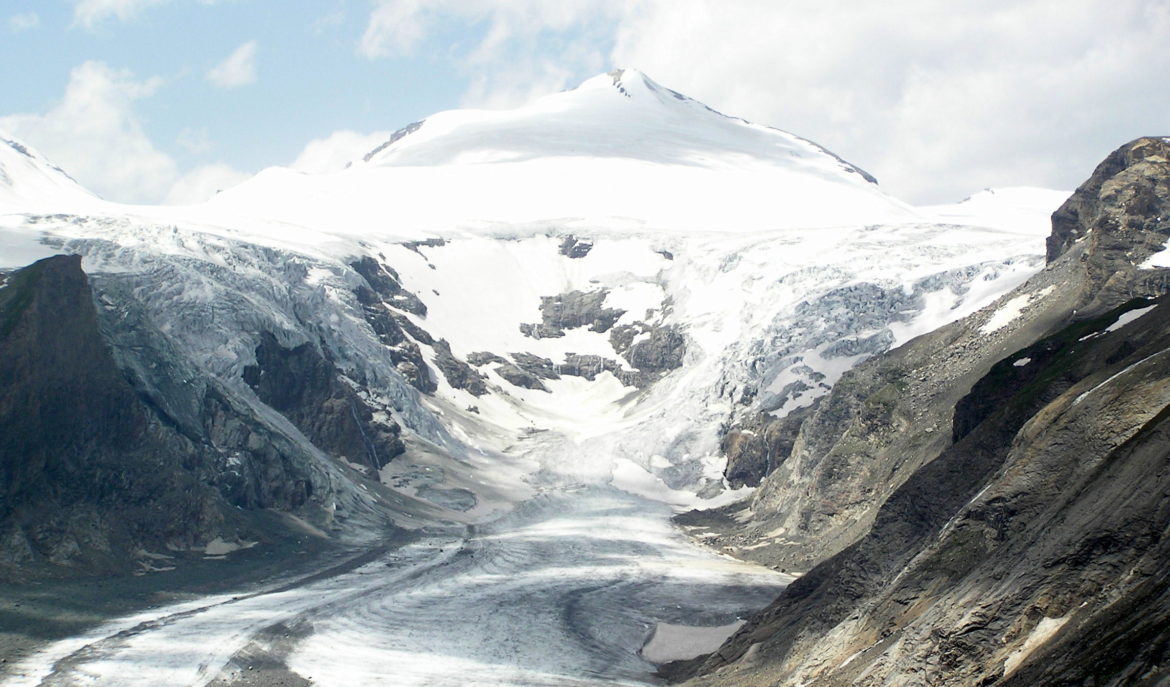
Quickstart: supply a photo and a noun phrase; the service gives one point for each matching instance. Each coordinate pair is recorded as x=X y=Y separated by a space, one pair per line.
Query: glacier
x=730 y=269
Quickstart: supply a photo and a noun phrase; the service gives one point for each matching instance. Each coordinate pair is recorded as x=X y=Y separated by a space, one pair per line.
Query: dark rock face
x=395 y=137
x=1127 y=192
x=536 y=365
x=425 y=243
x=1121 y=216
x=107 y=449
x=480 y=358
x=386 y=283
x=306 y=388
x=1022 y=483
x=759 y=446
x=517 y=376
x=87 y=473
x=574 y=248
x=393 y=329
x=1007 y=527
x=459 y=374
x=571 y=310
x=589 y=366
x=661 y=351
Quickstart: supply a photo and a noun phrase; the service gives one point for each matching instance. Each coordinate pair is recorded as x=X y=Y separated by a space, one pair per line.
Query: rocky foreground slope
x=988 y=504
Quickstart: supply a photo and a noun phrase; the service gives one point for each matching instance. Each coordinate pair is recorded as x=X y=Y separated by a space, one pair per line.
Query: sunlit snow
x=781 y=266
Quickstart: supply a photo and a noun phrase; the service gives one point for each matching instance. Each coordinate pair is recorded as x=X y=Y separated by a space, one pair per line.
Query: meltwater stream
x=564 y=590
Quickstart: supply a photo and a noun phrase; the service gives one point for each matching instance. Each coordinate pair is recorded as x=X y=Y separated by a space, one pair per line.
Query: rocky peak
x=1126 y=198
x=1115 y=222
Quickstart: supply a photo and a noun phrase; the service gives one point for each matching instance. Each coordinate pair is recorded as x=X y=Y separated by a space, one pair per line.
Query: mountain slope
x=27 y=178
x=618 y=150
x=504 y=387
x=1029 y=525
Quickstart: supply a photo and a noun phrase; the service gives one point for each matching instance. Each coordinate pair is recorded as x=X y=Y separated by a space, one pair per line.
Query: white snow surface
x=1044 y=631
x=780 y=265
x=1013 y=208
x=28 y=180
x=1129 y=316
x=619 y=150
x=1159 y=259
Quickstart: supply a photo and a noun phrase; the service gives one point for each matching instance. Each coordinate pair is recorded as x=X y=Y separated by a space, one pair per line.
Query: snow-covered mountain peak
x=27 y=177
x=617 y=151
x=619 y=114
x=630 y=83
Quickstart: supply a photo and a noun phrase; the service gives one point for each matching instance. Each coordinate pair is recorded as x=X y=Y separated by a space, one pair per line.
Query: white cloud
x=195 y=141
x=239 y=69
x=91 y=13
x=23 y=21
x=329 y=21
x=936 y=99
x=528 y=48
x=334 y=152
x=203 y=182
x=95 y=135
x=395 y=27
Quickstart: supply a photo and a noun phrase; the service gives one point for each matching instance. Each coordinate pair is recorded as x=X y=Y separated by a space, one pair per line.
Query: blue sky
x=166 y=100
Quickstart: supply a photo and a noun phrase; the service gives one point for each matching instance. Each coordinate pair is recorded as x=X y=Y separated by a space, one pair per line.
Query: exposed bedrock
x=110 y=451
x=986 y=505
x=571 y=310
x=88 y=473
x=306 y=388
x=400 y=336
x=459 y=374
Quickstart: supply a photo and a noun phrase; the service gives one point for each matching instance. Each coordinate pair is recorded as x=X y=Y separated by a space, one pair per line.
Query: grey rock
x=953 y=494
x=480 y=358
x=307 y=389
x=1118 y=218
x=88 y=473
x=535 y=365
x=574 y=248
x=394 y=138
x=425 y=243
x=393 y=328
x=570 y=311
x=386 y=283
x=589 y=366
x=662 y=351
x=459 y=374
x=521 y=378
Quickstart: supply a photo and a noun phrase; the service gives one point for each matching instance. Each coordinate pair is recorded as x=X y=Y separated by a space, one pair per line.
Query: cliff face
x=1122 y=216
x=100 y=465
x=86 y=473
x=988 y=504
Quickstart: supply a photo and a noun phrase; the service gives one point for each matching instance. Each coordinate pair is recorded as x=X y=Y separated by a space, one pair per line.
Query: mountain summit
x=619 y=147
x=620 y=114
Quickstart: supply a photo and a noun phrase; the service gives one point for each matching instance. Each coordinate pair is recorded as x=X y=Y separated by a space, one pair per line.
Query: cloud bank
x=95 y=134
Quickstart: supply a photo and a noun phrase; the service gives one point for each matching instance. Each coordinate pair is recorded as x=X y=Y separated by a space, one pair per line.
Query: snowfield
x=768 y=265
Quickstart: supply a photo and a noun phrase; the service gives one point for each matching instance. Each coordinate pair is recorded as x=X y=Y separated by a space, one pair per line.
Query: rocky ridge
x=986 y=504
